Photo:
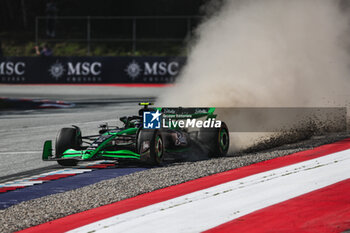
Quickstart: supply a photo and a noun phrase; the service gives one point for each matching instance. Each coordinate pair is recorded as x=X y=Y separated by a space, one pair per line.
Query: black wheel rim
x=159 y=148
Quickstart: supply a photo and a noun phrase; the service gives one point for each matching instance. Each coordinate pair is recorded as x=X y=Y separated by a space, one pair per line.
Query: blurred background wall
x=23 y=24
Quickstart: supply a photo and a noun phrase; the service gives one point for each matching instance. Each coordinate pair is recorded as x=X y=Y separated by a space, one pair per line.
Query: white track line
x=27 y=181
x=20 y=152
x=205 y=209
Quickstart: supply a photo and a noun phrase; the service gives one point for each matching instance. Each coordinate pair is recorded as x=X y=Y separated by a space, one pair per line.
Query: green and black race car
x=181 y=132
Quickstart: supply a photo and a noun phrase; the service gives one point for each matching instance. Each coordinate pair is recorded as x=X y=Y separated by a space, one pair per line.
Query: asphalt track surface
x=22 y=134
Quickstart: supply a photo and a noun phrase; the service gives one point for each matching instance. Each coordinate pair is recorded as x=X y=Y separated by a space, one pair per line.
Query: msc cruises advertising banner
x=90 y=69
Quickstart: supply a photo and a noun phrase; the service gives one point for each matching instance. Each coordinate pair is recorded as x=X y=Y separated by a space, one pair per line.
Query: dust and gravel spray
x=266 y=53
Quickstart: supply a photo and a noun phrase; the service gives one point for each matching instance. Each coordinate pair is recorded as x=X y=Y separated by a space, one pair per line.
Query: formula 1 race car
x=181 y=131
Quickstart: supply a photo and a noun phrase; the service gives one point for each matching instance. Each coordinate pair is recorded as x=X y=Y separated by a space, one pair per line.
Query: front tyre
x=67 y=138
x=67 y=162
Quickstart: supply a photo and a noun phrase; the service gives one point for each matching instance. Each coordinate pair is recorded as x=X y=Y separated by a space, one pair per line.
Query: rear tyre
x=157 y=149
x=67 y=138
x=217 y=140
x=150 y=145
